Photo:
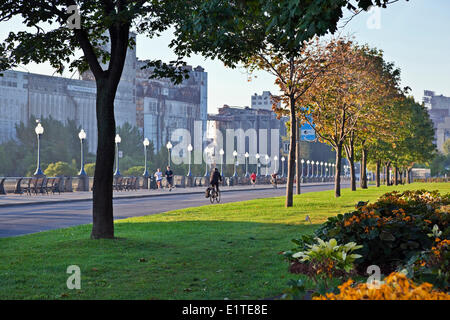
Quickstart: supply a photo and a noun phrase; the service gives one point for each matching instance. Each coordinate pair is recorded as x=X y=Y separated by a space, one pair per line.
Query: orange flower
x=396 y=287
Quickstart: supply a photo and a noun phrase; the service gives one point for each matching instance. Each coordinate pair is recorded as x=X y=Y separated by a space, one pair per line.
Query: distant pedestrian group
x=159 y=176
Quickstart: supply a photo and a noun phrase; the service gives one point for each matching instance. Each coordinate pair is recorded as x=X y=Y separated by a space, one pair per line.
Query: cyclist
x=273 y=179
x=215 y=179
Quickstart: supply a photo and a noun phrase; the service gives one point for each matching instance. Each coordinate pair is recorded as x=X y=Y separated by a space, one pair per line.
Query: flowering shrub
x=321 y=261
x=393 y=229
x=432 y=265
x=395 y=287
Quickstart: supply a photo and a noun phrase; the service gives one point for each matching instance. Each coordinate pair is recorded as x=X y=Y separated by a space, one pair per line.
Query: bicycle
x=214 y=195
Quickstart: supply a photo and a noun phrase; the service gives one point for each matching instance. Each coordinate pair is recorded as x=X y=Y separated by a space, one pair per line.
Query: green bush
x=90 y=169
x=135 y=171
x=391 y=230
x=432 y=265
x=60 y=168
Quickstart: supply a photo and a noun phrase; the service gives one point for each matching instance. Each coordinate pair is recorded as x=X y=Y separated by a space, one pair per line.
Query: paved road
x=20 y=220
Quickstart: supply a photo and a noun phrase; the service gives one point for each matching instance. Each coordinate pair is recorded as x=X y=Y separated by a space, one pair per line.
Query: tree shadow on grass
x=157 y=260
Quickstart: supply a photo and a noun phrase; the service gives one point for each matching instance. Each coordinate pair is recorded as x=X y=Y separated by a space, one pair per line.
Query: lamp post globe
x=39 y=130
x=82 y=137
x=117 y=140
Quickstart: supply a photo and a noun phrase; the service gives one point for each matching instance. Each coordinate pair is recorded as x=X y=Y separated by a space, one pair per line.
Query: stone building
x=162 y=107
x=439 y=111
x=263 y=101
x=157 y=107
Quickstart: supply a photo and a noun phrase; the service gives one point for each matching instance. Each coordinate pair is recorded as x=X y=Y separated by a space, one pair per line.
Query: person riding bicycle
x=273 y=179
x=216 y=177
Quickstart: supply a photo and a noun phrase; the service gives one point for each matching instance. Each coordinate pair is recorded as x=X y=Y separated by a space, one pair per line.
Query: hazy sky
x=415 y=35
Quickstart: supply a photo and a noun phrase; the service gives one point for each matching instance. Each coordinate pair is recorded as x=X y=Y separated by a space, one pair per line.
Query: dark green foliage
x=393 y=229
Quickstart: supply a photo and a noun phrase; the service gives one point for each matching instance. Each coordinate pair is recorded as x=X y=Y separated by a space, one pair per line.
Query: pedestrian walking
x=158 y=177
x=253 y=178
x=169 y=177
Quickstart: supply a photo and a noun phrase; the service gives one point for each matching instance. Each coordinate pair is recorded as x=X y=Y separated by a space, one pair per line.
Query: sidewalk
x=10 y=200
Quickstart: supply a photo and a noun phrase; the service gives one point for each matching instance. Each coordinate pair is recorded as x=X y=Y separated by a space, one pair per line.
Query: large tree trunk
x=337 y=175
x=378 y=173
x=292 y=152
x=350 y=151
x=388 y=174
x=103 y=225
x=107 y=83
x=298 y=164
x=408 y=175
x=396 y=175
x=363 y=173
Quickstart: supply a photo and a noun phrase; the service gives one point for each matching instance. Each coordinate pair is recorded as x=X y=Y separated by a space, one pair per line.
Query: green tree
x=446 y=147
x=269 y=33
x=103 y=36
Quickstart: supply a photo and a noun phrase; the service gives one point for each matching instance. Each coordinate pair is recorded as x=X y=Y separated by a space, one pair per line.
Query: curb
x=45 y=202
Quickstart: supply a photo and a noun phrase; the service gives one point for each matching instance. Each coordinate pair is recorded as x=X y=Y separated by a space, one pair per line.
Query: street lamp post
x=207 y=151
x=235 y=160
x=117 y=140
x=189 y=148
x=246 y=164
x=169 y=147
x=221 y=152
x=146 y=143
x=302 y=161
x=283 y=159
x=307 y=168
x=276 y=163
x=82 y=136
x=39 y=131
x=267 y=165
x=321 y=169
x=257 y=156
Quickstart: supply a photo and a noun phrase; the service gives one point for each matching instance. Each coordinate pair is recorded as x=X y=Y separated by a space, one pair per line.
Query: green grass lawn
x=210 y=252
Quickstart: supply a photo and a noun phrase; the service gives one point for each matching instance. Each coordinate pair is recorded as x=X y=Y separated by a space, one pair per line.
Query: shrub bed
x=393 y=229
x=407 y=231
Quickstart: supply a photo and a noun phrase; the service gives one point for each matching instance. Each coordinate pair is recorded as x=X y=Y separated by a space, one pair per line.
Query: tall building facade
x=263 y=101
x=439 y=110
x=163 y=107
x=157 y=107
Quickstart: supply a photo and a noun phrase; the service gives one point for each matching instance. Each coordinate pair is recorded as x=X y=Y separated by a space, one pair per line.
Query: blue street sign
x=307 y=133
